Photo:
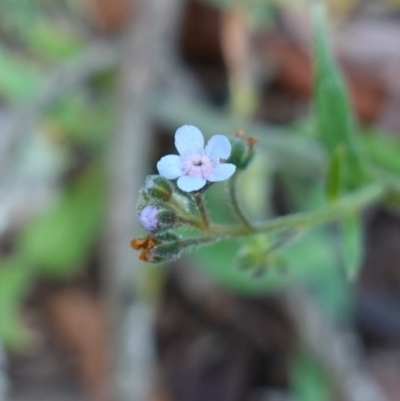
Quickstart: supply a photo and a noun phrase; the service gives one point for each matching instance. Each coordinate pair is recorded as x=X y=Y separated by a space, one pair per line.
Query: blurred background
x=91 y=93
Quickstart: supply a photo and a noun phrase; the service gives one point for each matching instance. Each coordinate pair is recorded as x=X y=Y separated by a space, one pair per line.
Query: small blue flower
x=197 y=164
x=148 y=217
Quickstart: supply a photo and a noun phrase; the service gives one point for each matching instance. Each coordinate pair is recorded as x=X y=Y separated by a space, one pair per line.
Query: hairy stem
x=236 y=208
x=179 y=207
x=197 y=224
x=202 y=209
x=353 y=202
x=356 y=201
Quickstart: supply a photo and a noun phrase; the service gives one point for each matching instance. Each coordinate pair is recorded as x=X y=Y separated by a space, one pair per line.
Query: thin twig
x=133 y=317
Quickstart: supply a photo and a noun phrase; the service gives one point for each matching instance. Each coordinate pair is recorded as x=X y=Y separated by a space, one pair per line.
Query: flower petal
x=148 y=217
x=189 y=140
x=221 y=172
x=170 y=166
x=189 y=184
x=218 y=147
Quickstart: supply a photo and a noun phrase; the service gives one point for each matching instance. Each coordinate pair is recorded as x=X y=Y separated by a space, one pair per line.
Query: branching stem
x=236 y=208
x=356 y=201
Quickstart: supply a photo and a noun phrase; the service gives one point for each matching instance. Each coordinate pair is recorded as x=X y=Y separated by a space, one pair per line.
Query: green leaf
x=309 y=258
x=14 y=287
x=335 y=123
x=257 y=256
x=74 y=118
x=29 y=24
x=383 y=150
x=18 y=78
x=353 y=244
x=334 y=175
x=50 y=41
x=308 y=381
x=61 y=239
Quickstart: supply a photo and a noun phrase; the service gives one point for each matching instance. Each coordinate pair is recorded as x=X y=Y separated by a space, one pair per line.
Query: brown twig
x=149 y=33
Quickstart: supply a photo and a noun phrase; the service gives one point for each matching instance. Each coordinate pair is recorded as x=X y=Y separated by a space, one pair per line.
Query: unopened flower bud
x=156 y=216
x=167 y=248
x=158 y=188
x=148 y=217
x=242 y=151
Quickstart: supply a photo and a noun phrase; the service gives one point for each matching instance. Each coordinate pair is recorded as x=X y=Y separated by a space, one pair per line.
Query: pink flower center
x=197 y=165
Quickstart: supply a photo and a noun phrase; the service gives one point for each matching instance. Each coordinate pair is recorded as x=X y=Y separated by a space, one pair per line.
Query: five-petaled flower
x=197 y=164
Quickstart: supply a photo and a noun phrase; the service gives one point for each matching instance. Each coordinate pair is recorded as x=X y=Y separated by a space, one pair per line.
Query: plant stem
x=190 y=222
x=179 y=207
x=237 y=210
x=198 y=241
x=356 y=201
x=202 y=210
x=351 y=203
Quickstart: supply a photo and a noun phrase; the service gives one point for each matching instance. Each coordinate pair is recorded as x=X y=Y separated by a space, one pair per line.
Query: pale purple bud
x=148 y=217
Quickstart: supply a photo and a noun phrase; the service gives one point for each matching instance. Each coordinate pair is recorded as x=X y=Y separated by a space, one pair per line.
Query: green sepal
x=242 y=153
x=167 y=249
x=166 y=218
x=143 y=200
x=158 y=188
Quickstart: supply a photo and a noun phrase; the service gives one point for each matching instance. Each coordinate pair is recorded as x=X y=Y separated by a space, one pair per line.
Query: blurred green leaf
x=61 y=239
x=309 y=258
x=308 y=381
x=48 y=40
x=257 y=256
x=334 y=175
x=352 y=238
x=383 y=150
x=75 y=118
x=41 y=32
x=14 y=287
x=18 y=78
x=335 y=123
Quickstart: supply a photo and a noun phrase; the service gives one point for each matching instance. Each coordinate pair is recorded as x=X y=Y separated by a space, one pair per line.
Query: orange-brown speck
x=145 y=244
x=251 y=141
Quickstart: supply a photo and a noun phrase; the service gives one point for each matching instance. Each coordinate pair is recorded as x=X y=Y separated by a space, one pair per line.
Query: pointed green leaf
x=258 y=255
x=61 y=239
x=19 y=79
x=353 y=244
x=383 y=150
x=14 y=287
x=335 y=175
x=335 y=123
x=308 y=381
